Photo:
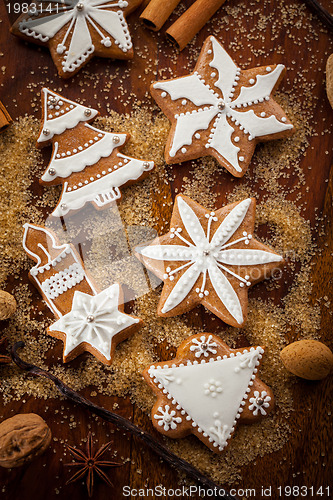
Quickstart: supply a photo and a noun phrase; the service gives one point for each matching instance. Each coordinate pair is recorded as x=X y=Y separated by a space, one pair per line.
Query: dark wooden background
x=306 y=459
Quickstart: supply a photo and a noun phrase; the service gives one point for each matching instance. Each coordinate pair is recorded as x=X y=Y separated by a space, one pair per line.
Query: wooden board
x=306 y=459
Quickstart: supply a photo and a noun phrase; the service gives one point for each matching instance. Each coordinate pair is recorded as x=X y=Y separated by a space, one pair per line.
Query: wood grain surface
x=306 y=459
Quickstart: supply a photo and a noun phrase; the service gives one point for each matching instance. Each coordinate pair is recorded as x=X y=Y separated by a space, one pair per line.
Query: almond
x=329 y=79
x=308 y=359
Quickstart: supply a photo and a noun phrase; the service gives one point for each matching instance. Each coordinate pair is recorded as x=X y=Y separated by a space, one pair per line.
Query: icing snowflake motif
x=259 y=402
x=221 y=433
x=249 y=359
x=212 y=107
x=209 y=257
x=83 y=20
x=212 y=388
x=167 y=418
x=94 y=319
x=203 y=346
x=164 y=376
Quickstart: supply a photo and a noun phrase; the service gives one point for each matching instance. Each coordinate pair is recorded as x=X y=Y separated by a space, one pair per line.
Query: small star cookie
x=87 y=319
x=76 y=30
x=210 y=258
x=221 y=110
x=207 y=389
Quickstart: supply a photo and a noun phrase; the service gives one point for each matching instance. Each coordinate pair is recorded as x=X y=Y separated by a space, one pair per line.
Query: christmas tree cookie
x=76 y=30
x=207 y=389
x=87 y=319
x=85 y=160
x=221 y=110
x=209 y=258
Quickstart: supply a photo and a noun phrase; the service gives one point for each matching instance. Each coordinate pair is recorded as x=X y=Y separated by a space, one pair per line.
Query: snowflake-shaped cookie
x=207 y=397
x=76 y=30
x=220 y=110
x=209 y=258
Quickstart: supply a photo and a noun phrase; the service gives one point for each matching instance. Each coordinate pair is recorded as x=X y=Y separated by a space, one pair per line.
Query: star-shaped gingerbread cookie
x=221 y=110
x=210 y=258
x=207 y=389
x=76 y=30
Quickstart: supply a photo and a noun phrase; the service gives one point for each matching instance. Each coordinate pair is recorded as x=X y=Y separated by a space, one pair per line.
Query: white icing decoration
x=102 y=190
x=106 y=321
x=167 y=418
x=188 y=384
x=63 y=281
x=259 y=408
x=227 y=69
x=76 y=45
x=65 y=166
x=219 y=105
x=206 y=256
x=65 y=251
x=58 y=125
x=203 y=347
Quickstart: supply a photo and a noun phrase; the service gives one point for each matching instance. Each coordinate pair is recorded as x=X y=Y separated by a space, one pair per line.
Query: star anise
x=3 y=358
x=90 y=463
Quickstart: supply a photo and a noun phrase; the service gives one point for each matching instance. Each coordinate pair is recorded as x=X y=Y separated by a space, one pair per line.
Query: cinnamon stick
x=5 y=118
x=157 y=12
x=126 y=425
x=187 y=26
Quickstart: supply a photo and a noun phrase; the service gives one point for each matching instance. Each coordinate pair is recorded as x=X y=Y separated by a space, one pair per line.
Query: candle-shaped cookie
x=87 y=319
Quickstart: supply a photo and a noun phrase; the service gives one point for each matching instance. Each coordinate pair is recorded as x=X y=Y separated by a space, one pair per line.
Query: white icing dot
x=263 y=114
x=241 y=158
x=236 y=139
x=197 y=135
x=268 y=69
x=184 y=101
x=164 y=94
x=284 y=119
x=252 y=81
x=183 y=150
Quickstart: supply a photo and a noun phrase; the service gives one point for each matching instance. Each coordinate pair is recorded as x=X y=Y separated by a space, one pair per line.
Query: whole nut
x=7 y=305
x=308 y=359
x=329 y=79
x=22 y=438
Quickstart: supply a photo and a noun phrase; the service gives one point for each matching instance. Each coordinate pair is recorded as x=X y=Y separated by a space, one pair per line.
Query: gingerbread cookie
x=76 y=30
x=209 y=258
x=220 y=110
x=85 y=160
x=207 y=389
x=87 y=319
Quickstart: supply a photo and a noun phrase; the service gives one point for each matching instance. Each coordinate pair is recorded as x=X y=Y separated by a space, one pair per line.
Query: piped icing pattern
x=94 y=319
x=217 y=110
x=87 y=319
x=71 y=155
x=207 y=395
x=208 y=258
x=79 y=21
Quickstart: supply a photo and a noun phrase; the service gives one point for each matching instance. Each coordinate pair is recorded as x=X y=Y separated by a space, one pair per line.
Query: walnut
x=22 y=438
x=7 y=305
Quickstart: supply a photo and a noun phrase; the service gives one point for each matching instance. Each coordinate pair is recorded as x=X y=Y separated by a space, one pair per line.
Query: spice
x=190 y=23
x=157 y=12
x=329 y=79
x=22 y=438
x=5 y=118
x=90 y=463
x=7 y=305
x=3 y=358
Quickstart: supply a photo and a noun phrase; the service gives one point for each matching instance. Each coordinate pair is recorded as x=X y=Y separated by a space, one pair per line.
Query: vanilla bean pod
x=322 y=13
x=124 y=424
